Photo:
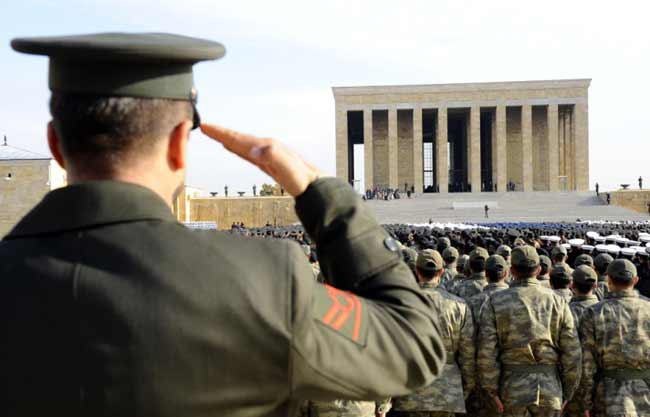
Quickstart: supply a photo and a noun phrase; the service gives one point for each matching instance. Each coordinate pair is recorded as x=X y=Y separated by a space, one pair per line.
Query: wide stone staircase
x=535 y=206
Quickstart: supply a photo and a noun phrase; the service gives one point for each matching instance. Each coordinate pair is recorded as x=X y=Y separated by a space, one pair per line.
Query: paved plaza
x=506 y=207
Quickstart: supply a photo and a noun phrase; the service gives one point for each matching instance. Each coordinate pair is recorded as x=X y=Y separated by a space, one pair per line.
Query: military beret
x=479 y=253
x=584 y=274
x=525 y=256
x=429 y=260
x=561 y=272
x=559 y=249
x=496 y=263
x=584 y=259
x=450 y=254
x=622 y=270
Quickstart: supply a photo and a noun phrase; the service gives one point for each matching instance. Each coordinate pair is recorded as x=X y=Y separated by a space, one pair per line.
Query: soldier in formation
x=447 y=395
x=529 y=361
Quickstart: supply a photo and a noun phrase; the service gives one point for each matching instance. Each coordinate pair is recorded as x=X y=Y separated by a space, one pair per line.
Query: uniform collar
x=477 y=276
x=492 y=285
x=427 y=285
x=525 y=282
x=584 y=297
x=622 y=294
x=602 y=278
x=88 y=204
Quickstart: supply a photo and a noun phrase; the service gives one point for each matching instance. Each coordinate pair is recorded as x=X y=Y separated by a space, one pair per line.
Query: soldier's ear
x=55 y=144
x=177 y=146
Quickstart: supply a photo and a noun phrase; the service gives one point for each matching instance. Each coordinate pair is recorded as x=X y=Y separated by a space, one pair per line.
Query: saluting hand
x=293 y=173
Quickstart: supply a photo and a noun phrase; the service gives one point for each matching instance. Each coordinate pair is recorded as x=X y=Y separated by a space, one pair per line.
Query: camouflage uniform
x=480 y=403
x=471 y=286
x=602 y=289
x=544 y=281
x=447 y=394
x=583 y=275
x=615 y=336
x=449 y=275
x=530 y=353
x=565 y=293
x=345 y=408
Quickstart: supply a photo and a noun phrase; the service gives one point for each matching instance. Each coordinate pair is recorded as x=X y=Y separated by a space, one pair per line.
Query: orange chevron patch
x=344 y=312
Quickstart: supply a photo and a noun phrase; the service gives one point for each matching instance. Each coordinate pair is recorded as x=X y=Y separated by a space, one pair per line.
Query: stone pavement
x=512 y=207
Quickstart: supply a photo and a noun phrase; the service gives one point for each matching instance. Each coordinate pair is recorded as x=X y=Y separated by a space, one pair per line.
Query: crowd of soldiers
x=537 y=319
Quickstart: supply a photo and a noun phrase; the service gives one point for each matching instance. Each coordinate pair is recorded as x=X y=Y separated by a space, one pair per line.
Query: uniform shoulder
x=450 y=297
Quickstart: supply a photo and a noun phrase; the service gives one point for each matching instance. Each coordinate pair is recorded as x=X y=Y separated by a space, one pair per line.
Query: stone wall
x=405 y=148
x=380 y=147
x=636 y=200
x=252 y=211
x=30 y=181
x=540 y=149
x=514 y=147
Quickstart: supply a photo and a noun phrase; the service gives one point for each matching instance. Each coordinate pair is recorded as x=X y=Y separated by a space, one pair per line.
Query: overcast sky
x=283 y=58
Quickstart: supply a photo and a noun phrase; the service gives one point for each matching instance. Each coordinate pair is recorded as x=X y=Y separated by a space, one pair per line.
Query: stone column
x=581 y=140
x=500 y=164
x=392 y=148
x=527 y=146
x=342 y=169
x=552 y=147
x=475 y=148
x=368 y=156
x=442 y=166
x=417 y=150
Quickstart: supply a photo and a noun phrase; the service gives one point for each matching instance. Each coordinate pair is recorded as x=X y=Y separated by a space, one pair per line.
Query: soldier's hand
x=499 y=404
x=292 y=172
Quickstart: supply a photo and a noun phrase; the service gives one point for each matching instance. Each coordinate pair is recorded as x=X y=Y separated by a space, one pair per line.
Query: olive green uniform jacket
x=615 y=335
x=529 y=352
x=110 y=307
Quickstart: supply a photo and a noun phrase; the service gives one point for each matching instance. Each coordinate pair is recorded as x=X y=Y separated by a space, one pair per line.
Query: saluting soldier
x=615 y=335
x=447 y=395
x=529 y=359
x=110 y=307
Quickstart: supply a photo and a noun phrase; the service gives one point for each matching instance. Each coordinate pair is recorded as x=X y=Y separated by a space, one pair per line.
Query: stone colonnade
x=529 y=144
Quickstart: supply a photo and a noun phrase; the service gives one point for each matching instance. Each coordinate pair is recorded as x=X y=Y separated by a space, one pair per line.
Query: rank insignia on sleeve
x=342 y=311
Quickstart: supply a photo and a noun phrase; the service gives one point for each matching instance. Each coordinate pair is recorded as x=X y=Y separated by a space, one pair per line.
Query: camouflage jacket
x=545 y=282
x=565 y=293
x=477 y=301
x=449 y=391
x=471 y=286
x=344 y=408
x=602 y=289
x=451 y=285
x=578 y=305
x=449 y=274
x=615 y=336
x=530 y=351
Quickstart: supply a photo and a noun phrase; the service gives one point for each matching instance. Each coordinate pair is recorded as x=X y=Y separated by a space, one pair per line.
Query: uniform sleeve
x=489 y=370
x=467 y=353
x=589 y=366
x=570 y=354
x=370 y=334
